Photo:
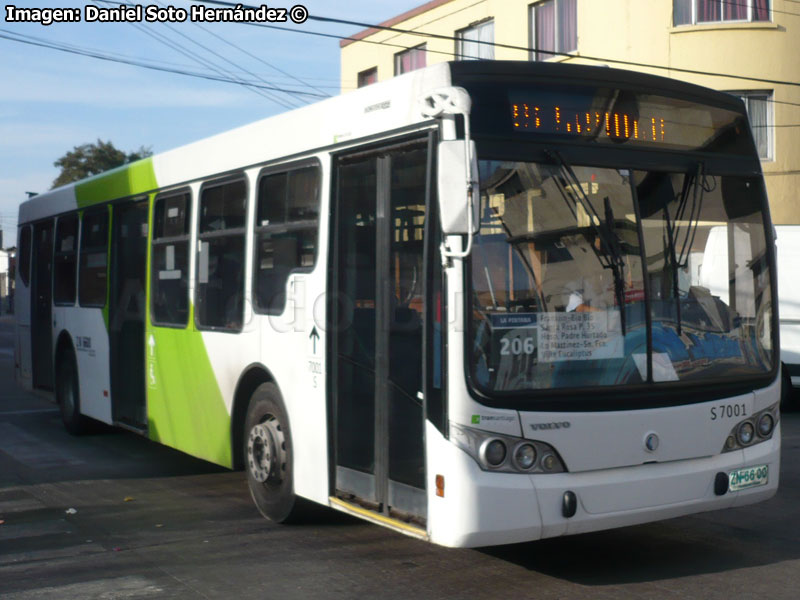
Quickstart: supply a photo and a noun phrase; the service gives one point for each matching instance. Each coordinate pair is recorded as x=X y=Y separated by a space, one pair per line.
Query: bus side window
x=169 y=276
x=286 y=233
x=94 y=258
x=219 y=295
x=65 y=275
x=25 y=255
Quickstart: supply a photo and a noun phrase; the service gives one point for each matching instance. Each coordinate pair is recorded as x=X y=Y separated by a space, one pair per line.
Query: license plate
x=742 y=479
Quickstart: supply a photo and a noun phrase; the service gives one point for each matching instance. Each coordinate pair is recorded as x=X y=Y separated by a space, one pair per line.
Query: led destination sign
x=613 y=116
x=555 y=119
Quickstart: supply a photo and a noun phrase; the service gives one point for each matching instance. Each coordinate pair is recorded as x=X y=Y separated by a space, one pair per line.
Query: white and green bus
x=466 y=303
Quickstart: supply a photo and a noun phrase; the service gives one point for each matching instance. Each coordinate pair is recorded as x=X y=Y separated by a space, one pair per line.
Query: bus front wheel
x=68 y=396
x=268 y=455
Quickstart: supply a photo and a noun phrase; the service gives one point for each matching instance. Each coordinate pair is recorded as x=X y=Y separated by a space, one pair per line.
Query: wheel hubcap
x=266 y=451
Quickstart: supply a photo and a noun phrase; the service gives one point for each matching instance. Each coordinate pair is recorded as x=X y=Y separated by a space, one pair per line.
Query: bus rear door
x=126 y=313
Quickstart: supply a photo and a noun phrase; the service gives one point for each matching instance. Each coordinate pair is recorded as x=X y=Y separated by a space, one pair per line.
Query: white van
x=713 y=275
x=789 y=300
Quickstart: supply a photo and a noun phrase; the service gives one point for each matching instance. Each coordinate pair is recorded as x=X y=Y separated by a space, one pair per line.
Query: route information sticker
x=580 y=336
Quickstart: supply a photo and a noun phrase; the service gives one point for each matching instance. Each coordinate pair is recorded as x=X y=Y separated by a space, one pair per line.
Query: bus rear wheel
x=68 y=396
x=268 y=455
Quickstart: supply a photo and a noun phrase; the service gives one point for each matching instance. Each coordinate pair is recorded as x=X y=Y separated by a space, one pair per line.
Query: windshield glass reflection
x=573 y=264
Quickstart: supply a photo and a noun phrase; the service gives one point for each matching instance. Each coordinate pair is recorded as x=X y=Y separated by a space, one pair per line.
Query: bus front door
x=41 y=305
x=376 y=332
x=126 y=313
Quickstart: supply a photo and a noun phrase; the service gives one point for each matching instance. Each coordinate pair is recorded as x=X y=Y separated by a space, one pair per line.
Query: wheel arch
x=64 y=348
x=252 y=377
x=74 y=422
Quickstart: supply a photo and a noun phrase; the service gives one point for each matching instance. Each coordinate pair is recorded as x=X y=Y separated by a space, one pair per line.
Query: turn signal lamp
x=549 y=462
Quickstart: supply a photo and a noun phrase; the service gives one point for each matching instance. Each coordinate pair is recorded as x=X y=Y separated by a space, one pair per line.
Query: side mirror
x=453 y=175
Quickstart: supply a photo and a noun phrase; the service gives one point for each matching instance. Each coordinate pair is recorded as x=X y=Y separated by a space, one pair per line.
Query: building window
x=219 y=295
x=692 y=12
x=368 y=77
x=286 y=228
x=65 y=267
x=169 y=276
x=554 y=27
x=476 y=42
x=759 y=111
x=410 y=60
x=94 y=258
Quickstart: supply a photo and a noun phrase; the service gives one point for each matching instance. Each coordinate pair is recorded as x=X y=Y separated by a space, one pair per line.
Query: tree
x=91 y=159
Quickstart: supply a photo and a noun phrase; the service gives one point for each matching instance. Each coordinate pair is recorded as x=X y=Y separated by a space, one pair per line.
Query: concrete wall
x=630 y=30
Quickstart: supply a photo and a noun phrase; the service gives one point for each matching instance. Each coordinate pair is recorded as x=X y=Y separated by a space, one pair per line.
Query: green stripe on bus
x=128 y=180
x=185 y=408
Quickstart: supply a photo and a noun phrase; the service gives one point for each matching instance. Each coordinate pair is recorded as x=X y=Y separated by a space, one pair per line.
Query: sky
x=52 y=101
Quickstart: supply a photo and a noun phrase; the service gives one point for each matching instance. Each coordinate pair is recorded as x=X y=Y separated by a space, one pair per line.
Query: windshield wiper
x=670 y=243
x=486 y=271
x=691 y=184
x=610 y=253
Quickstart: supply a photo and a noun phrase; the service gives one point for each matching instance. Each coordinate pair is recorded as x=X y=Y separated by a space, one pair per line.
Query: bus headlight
x=493 y=452
x=744 y=432
x=506 y=453
x=524 y=456
x=765 y=425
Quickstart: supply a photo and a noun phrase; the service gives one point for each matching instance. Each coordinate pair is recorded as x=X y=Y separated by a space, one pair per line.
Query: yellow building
x=745 y=38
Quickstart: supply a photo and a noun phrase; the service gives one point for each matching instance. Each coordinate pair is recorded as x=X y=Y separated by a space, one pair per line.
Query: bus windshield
x=585 y=276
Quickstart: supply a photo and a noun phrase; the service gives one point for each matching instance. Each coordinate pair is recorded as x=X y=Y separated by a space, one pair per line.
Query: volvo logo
x=651 y=442
x=557 y=425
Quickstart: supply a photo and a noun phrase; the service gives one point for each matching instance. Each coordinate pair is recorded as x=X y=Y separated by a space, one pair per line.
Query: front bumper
x=482 y=508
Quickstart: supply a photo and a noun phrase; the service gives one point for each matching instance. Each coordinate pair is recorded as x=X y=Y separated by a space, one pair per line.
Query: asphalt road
x=112 y=515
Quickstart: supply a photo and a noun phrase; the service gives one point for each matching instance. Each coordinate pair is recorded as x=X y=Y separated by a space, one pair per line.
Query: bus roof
x=383 y=107
x=368 y=111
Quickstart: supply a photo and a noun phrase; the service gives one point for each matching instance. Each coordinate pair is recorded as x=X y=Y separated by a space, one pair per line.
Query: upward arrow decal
x=314 y=336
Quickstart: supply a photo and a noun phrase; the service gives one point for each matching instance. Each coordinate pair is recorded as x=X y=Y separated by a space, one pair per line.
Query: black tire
x=268 y=455
x=68 y=395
